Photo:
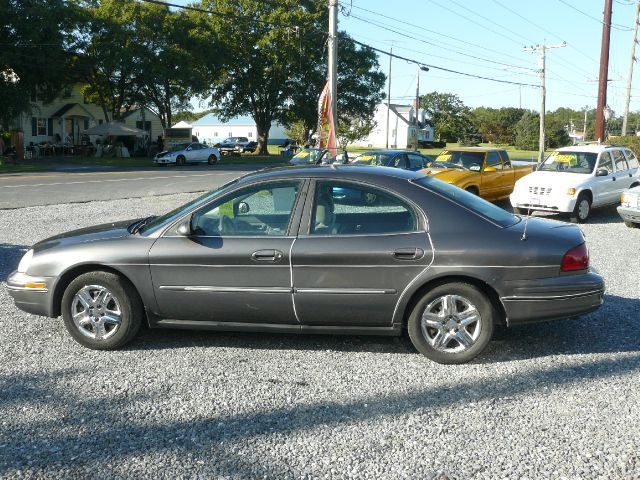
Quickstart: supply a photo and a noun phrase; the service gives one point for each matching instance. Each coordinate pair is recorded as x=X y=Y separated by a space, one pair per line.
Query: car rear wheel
x=582 y=209
x=180 y=160
x=101 y=310
x=212 y=159
x=452 y=323
x=631 y=224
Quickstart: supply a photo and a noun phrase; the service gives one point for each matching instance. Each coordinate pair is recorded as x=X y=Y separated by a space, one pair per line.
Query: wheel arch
x=587 y=192
x=67 y=277
x=403 y=315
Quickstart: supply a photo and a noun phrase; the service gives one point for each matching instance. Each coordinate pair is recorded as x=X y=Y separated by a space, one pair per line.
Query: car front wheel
x=180 y=160
x=212 y=160
x=101 y=310
x=452 y=323
x=582 y=209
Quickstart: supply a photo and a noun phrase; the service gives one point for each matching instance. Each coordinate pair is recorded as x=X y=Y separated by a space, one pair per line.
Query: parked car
x=236 y=145
x=404 y=159
x=483 y=171
x=188 y=153
x=272 y=252
x=629 y=208
x=317 y=156
x=574 y=180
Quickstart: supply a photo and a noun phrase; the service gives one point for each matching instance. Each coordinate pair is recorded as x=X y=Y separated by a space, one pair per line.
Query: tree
x=528 y=132
x=497 y=125
x=38 y=48
x=349 y=131
x=448 y=114
x=298 y=132
x=277 y=71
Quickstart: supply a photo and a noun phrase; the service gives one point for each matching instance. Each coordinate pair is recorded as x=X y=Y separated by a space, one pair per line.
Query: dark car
x=236 y=145
x=272 y=252
x=404 y=159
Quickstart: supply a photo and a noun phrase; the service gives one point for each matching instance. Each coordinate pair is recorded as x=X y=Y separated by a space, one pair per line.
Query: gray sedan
x=188 y=153
x=275 y=252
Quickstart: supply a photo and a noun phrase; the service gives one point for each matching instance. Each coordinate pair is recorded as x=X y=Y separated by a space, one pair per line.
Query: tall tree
x=37 y=46
x=497 y=125
x=449 y=115
x=277 y=71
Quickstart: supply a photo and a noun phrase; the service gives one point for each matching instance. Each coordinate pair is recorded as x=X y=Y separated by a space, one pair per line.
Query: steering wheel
x=226 y=225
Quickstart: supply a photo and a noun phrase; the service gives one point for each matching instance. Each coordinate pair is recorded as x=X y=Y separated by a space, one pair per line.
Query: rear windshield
x=468 y=200
x=572 y=162
x=372 y=158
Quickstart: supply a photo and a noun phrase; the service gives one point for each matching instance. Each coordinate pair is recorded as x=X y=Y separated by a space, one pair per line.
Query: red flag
x=326 y=127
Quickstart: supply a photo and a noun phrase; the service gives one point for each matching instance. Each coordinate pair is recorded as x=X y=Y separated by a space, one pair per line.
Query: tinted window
x=415 y=161
x=493 y=160
x=399 y=161
x=352 y=209
x=253 y=211
x=474 y=203
x=372 y=158
x=619 y=160
x=632 y=160
x=605 y=162
x=466 y=160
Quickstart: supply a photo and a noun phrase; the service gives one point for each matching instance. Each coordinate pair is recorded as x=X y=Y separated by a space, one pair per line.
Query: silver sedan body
x=188 y=153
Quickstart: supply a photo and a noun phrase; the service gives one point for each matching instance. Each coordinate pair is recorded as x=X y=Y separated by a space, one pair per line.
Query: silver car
x=629 y=208
x=188 y=153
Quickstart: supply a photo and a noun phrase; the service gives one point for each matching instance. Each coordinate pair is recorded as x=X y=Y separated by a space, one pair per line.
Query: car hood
x=449 y=175
x=554 y=178
x=85 y=235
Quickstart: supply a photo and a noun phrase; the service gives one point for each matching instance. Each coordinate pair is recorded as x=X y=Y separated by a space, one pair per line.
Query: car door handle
x=267 y=255
x=408 y=253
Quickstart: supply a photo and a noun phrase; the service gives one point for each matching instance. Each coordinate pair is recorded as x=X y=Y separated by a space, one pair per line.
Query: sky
x=487 y=38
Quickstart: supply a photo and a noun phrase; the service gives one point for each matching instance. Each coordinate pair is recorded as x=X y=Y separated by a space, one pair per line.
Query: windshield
x=573 y=162
x=178 y=146
x=474 y=203
x=159 y=222
x=372 y=158
x=459 y=159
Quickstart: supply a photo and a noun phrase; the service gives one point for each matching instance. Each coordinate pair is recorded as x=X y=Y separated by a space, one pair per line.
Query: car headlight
x=23 y=266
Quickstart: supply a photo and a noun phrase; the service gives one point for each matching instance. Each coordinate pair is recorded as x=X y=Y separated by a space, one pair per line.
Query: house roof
x=72 y=109
x=212 y=119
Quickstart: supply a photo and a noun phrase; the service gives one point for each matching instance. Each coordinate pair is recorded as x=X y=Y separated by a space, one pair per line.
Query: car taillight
x=575 y=259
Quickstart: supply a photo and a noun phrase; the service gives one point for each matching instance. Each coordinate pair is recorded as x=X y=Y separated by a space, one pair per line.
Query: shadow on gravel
x=10 y=256
x=599 y=216
x=98 y=436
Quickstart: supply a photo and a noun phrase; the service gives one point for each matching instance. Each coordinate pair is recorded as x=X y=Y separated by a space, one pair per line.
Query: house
x=403 y=130
x=69 y=115
x=211 y=129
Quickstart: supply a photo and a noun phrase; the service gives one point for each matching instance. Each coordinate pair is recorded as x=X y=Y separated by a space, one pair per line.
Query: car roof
x=473 y=149
x=388 y=151
x=342 y=171
x=595 y=148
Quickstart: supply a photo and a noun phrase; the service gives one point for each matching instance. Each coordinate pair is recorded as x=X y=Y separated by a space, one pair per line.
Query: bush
x=632 y=142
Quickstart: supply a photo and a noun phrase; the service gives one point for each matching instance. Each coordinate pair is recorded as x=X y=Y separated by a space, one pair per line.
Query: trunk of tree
x=263 y=125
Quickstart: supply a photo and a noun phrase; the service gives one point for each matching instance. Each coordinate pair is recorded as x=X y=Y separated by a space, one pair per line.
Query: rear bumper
x=554 y=298
x=629 y=214
x=36 y=300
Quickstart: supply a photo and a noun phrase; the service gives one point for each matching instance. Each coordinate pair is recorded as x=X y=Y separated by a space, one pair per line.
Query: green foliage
x=631 y=141
x=349 y=131
x=298 y=132
x=497 y=125
x=36 y=54
x=528 y=132
x=450 y=117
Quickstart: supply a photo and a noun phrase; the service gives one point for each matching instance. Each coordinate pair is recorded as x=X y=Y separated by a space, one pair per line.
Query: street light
x=424 y=68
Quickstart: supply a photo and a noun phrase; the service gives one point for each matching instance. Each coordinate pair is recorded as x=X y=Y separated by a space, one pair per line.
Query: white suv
x=575 y=179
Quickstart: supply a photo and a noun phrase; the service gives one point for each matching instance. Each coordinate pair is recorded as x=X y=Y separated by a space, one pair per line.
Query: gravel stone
x=556 y=400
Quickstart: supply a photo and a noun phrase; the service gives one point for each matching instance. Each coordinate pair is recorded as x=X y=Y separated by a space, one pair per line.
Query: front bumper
x=565 y=296
x=629 y=214
x=163 y=160
x=31 y=294
x=546 y=203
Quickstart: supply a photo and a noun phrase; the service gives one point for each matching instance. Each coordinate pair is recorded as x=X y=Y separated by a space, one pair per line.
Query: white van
x=574 y=179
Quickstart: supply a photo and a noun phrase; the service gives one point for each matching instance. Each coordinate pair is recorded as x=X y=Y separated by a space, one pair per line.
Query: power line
x=416 y=62
x=613 y=25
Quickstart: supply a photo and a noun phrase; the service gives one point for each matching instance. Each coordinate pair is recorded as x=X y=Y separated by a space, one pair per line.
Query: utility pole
x=584 y=130
x=417 y=122
x=604 y=70
x=333 y=57
x=543 y=91
x=389 y=95
x=633 y=59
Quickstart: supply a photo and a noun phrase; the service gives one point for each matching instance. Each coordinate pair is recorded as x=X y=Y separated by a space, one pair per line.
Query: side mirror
x=184 y=228
x=243 y=207
x=602 y=172
x=489 y=169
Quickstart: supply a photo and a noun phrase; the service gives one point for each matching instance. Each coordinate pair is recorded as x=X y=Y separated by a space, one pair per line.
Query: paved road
x=80 y=185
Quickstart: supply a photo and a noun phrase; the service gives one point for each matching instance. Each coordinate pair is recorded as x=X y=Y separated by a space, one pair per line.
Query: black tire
x=180 y=160
x=212 y=159
x=632 y=224
x=582 y=209
x=90 y=323
x=440 y=337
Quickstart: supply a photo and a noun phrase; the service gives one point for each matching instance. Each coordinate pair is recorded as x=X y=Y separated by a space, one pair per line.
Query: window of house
x=41 y=126
x=250 y=135
x=66 y=92
x=146 y=125
x=231 y=134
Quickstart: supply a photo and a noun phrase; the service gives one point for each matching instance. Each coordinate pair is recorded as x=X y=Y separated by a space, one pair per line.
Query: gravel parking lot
x=554 y=400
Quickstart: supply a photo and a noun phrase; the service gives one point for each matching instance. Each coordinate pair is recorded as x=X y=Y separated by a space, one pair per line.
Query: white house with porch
x=64 y=119
x=403 y=131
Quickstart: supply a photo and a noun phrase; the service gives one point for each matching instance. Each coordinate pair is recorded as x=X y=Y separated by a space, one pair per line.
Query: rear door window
x=619 y=161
